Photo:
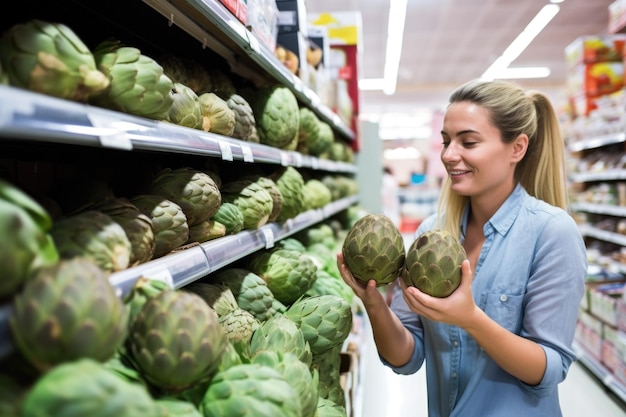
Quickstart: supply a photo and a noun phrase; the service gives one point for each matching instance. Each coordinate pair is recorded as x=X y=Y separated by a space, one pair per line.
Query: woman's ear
x=520 y=146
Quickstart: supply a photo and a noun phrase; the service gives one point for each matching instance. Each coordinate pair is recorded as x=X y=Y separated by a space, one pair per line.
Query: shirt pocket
x=505 y=309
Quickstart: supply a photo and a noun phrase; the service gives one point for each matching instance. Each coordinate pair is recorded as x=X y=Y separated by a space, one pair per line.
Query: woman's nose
x=449 y=153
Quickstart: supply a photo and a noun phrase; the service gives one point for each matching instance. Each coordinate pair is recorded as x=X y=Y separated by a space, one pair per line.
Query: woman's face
x=478 y=162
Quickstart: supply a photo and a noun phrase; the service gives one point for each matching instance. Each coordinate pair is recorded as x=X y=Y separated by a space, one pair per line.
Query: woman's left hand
x=456 y=309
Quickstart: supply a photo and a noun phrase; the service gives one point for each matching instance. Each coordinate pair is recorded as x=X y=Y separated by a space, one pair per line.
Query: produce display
x=265 y=333
x=433 y=263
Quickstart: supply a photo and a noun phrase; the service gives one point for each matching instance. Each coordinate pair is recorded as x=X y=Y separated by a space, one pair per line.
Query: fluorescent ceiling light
x=393 y=52
x=522 y=72
x=524 y=39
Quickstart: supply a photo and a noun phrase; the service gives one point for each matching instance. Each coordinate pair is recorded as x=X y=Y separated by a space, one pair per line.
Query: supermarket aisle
x=384 y=394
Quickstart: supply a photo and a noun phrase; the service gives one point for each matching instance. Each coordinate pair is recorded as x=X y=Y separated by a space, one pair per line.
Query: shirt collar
x=506 y=214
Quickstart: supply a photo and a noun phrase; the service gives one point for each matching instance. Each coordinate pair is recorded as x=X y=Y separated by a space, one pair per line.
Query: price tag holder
x=163 y=275
x=253 y=42
x=297 y=157
x=284 y=158
x=110 y=136
x=226 y=151
x=269 y=237
x=246 y=150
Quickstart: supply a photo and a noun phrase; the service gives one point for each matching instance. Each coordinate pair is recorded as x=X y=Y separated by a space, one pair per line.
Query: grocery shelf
x=30 y=116
x=607 y=175
x=608 y=209
x=602 y=373
x=590 y=231
x=194 y=262
x=212 y=17
x=597 y=142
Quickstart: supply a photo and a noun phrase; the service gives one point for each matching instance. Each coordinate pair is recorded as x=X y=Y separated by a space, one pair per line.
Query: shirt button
x=453 y=374
x=455 y=343
x=503 y=298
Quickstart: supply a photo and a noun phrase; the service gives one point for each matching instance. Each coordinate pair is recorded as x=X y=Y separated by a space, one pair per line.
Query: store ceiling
x=448 y=42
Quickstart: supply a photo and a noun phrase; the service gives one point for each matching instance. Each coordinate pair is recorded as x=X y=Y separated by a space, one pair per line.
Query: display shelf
x=607 y=175
x=189 y=264
x=25 y=115
x=211 y=15
x=597 y=142
x=601 y=372
x=608 y=209
x=590 y=231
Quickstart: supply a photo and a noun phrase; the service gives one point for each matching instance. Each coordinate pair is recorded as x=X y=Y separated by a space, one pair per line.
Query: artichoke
x=281 y=334
x=296 y=373
x=250 y=290
x=433 y=263
x=170 y=223
x=143 y=289
x=288 y=274
x=68 y=311
x=178 y=408
x=230 y=216
x=277 y=116
x=51 y=59
x=254 y=201
x=325 y=321
x=250 y=389
x=291 y=185
x=87 y=388
x=316 y=193
x=217 y=116
x=328 y=408
x=194 y=191
x=245 y=125
x=374 y=249
x=308 y=131
x=324 y=141
x=176 y=340
x=238 y=324
x=26 y=244
x=137 y=225
x=185 y=109
x=95 y=235
x=206 y=230
x=137 y=86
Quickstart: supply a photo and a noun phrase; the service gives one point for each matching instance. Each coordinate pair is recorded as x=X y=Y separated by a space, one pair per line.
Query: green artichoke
x=291 y=185
x=195 y=191
x=250 y=389
x=254 y=201
x=137 y=86
x=26 y=243
x=277 y=116
x=87 y=388
x=95 y=235
x=328 y=408
x=217 y=116
x=296 y=373
x=170 y=222
x=206 y=230
x=176 y=340
x=143 y=289
x=308 y=131
x=281 y=334
x=230 y=216
x=250 y=290
x=316 y=194
x=374 y=249
x=137 y=225
x=245 y=125
x=324 y=141
x=433 y=263
x=68 y=311
x=288 y=274
x=178 y=408
x=185 y=110
x=325 y=321
x=50 y=58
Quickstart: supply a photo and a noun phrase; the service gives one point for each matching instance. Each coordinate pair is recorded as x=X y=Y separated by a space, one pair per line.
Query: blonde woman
x=502 y=342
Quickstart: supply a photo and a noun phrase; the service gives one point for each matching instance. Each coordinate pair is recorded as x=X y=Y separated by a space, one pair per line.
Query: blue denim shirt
x=530 y=279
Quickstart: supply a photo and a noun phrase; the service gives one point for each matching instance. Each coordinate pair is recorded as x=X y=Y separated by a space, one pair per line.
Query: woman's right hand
x=368 y=293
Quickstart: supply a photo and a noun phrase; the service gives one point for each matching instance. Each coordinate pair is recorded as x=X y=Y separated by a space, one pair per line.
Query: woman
x=502 y=342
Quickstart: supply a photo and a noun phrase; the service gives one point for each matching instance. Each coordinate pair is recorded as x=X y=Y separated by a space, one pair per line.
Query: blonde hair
x=514 y=111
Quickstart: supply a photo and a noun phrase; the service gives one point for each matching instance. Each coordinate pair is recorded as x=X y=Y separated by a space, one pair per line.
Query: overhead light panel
x=512 y=73
x=393 y=52
x=515 y=49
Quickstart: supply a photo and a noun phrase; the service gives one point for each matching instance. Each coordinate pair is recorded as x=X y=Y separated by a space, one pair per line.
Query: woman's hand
x=457 y=309
x=368 y=293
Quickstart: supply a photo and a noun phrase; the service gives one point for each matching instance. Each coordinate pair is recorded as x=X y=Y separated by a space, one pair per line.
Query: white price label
x=315 y=163
x=108 y=134
x=253 y=42
x=284 y=158
x=298 y=85
x=297 y=159
x=269 y=237
x=227 y=152
x=248 y=156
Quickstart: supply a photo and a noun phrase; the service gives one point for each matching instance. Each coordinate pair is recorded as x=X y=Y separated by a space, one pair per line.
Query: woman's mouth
x=457 y=173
